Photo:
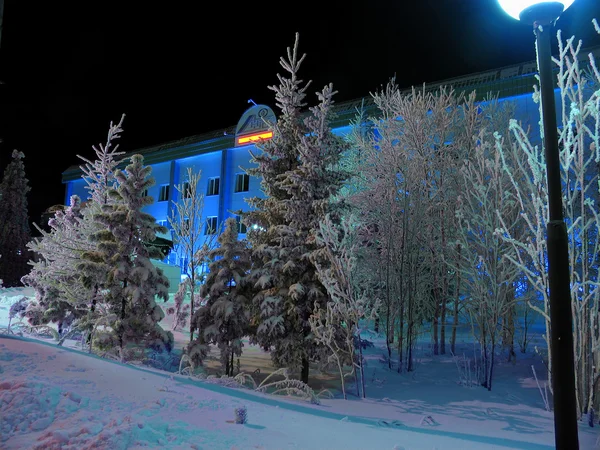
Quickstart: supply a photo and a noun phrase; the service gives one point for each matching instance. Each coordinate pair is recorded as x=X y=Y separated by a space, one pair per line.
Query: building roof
x=508 y=81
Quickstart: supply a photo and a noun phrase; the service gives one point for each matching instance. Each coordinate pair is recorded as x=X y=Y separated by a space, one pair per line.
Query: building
x=223 y=155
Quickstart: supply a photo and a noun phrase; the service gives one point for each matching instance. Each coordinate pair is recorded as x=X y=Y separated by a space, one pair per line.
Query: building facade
x=223 y=155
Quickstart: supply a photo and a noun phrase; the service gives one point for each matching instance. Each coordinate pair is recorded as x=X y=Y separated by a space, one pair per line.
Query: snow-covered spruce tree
x=299 y=176
x=60 y=291
x=186 y=223
x=14 y=221
x=132 y=282
x=224 y=319
x=579 y=143
x=338 y=325
x=99 y=176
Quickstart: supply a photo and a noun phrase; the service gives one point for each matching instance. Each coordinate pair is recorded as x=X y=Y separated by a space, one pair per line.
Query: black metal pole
x=561 y=326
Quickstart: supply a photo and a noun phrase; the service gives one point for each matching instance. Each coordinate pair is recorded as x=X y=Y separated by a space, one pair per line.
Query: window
x=213 y=186
x=183 y=263
x=145 y=193
x=242 y=229
x=162 y=223
x=242 y=182
x=186 y=193
x=211 y=225
x=163 y=195
x=172 y=258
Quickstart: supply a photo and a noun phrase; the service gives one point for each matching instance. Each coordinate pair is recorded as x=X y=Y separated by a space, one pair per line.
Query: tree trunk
x=456 y=304
x=362 y=371
x=491 y=368
x=400 y=337
x=443 y=325
x=436 y=314
x=410 y=329
x=121 y=330
x=192 y=294
x=305 y=369
x=510 y=325
x=356 y=382
x=484 y=353
x=444 y=287
x=387 y=334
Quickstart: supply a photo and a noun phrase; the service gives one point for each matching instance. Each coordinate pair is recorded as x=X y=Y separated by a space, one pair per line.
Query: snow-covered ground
x=60 y=398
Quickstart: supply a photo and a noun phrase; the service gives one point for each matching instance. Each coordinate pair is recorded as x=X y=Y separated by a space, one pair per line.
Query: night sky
x=175 y=70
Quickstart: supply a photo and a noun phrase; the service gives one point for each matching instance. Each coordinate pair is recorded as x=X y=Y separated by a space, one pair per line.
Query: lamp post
x=542 y=15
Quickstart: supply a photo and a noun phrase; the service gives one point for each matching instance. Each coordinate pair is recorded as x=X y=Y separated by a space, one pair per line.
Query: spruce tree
x=14 y=222
x=99 y=176
x=300 y=177
x=132 y=282
x=225 y=318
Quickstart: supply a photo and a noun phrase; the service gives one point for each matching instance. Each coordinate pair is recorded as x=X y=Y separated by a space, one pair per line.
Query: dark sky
x=176 y=70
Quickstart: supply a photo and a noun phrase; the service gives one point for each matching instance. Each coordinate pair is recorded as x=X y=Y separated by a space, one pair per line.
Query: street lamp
x=542 y=15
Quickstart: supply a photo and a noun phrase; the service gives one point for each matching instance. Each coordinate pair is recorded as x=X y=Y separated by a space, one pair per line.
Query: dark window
x=213 y=186
x=211 y=225
x=242 y=182
x=186 y=192
x=163 y=195
x=242 y=229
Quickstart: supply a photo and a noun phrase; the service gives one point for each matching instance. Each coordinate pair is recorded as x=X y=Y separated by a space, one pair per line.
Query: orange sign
x=249 y=138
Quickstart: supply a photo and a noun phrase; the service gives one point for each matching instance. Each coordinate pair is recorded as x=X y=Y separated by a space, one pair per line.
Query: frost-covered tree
x=299 y=177
x=407 y=202
x=578 y=79
x=180 y=310
x=487 y=273
x=99 y=176
x=186 y=223
x=224 y=319
x=132 y=281
x=68 y=285
x=339 y=323
x=60 y=291
x=17 y=309
x=14 y=221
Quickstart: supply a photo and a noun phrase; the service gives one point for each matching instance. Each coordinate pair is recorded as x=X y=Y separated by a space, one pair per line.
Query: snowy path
x=57 y=398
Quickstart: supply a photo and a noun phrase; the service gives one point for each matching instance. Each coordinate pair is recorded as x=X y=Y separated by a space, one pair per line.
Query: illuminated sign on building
x=241 y=140
x=255 y=125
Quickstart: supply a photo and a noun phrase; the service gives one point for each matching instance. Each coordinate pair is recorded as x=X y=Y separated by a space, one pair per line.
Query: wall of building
x=219 y=157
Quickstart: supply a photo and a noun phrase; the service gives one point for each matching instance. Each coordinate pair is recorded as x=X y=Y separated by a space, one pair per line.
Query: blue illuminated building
x=223 y=155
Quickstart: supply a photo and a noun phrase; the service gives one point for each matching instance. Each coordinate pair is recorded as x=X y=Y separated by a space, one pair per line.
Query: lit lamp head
x=535 y=11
